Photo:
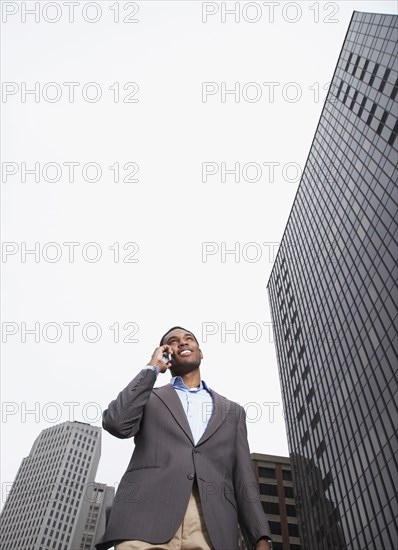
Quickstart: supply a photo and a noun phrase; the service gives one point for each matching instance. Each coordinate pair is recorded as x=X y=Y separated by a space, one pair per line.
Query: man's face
x=185 y=352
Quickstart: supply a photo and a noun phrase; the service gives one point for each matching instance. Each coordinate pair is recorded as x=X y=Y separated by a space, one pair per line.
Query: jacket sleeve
x=123 y=416
x=252 y=519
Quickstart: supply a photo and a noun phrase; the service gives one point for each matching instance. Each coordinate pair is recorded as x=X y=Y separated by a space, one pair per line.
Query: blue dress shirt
x=196 y=402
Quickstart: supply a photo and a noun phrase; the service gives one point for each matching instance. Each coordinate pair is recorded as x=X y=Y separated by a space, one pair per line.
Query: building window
x=382 y=122
x=305 y=438
x=373 y=75
x=269 y=490
x=287 y=475
x=291 y=510
x=393 y=134
x=266 y=472
x=362 y=106
x=385 y=79
x=271 y=508
x=275 y=527
x=394 y=90
x=310 y=395
x=289 y=493
x=372 y=112
x=293 y=530
x=320 y=449
x=315 y=420
x=348 y=61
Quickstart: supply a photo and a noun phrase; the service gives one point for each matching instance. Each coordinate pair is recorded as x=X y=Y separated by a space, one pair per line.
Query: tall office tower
x=331 y=295
x=93 y=516
x=50 y=488
x=274 y=475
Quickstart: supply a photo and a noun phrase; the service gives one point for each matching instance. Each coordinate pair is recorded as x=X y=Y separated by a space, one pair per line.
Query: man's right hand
x=157 y=358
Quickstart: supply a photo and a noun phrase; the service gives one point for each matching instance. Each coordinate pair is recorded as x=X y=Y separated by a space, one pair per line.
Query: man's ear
x=201 y=354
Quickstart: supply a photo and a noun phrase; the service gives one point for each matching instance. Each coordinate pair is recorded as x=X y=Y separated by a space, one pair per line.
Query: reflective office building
x=332 y=293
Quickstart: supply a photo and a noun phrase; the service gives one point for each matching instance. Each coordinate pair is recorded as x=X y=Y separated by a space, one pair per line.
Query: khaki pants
x=191 y=535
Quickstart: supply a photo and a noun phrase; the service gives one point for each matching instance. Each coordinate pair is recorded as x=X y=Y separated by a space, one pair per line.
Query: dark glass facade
x=332 y=293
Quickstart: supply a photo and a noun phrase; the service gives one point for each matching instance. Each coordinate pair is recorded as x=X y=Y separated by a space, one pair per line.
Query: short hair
x=174 y=328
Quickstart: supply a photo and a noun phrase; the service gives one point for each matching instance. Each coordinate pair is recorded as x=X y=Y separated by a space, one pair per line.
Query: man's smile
x=185 y=352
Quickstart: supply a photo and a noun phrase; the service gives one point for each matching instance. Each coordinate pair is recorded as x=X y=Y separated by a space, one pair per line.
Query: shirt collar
x=176 y=381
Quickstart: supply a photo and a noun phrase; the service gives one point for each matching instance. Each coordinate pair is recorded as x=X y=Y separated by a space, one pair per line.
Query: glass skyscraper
x=332 y=293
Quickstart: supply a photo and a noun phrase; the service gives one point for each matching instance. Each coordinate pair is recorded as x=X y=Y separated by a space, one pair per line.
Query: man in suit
x=190 y=480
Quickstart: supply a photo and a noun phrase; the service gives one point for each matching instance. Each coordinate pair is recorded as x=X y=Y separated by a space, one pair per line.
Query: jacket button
x=190 y=476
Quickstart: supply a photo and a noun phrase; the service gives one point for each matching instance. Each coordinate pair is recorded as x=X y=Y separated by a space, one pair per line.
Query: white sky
x=170 y=212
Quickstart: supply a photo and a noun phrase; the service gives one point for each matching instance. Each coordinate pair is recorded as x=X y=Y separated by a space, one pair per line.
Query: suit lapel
x=216 y=419
x=169 y=396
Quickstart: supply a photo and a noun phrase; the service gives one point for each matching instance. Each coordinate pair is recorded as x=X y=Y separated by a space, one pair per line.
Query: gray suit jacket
x=153 y=494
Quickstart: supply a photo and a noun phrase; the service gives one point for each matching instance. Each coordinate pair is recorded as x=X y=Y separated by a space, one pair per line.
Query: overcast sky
x=133 y=116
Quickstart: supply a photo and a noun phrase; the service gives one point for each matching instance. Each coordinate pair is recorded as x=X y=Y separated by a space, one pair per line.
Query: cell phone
x=166 y=357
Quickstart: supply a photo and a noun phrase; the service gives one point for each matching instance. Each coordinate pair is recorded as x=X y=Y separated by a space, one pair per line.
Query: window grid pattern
x=277 y=497
x=43 y=505
x=331 y=293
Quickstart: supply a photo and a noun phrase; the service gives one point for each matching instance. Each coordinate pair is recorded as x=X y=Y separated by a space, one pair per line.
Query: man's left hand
x=263 y=545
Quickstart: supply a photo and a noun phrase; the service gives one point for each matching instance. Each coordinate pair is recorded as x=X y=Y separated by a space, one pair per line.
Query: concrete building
x=331 y=292
x=92 y=520
x=53 y=490
x=274 y=475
